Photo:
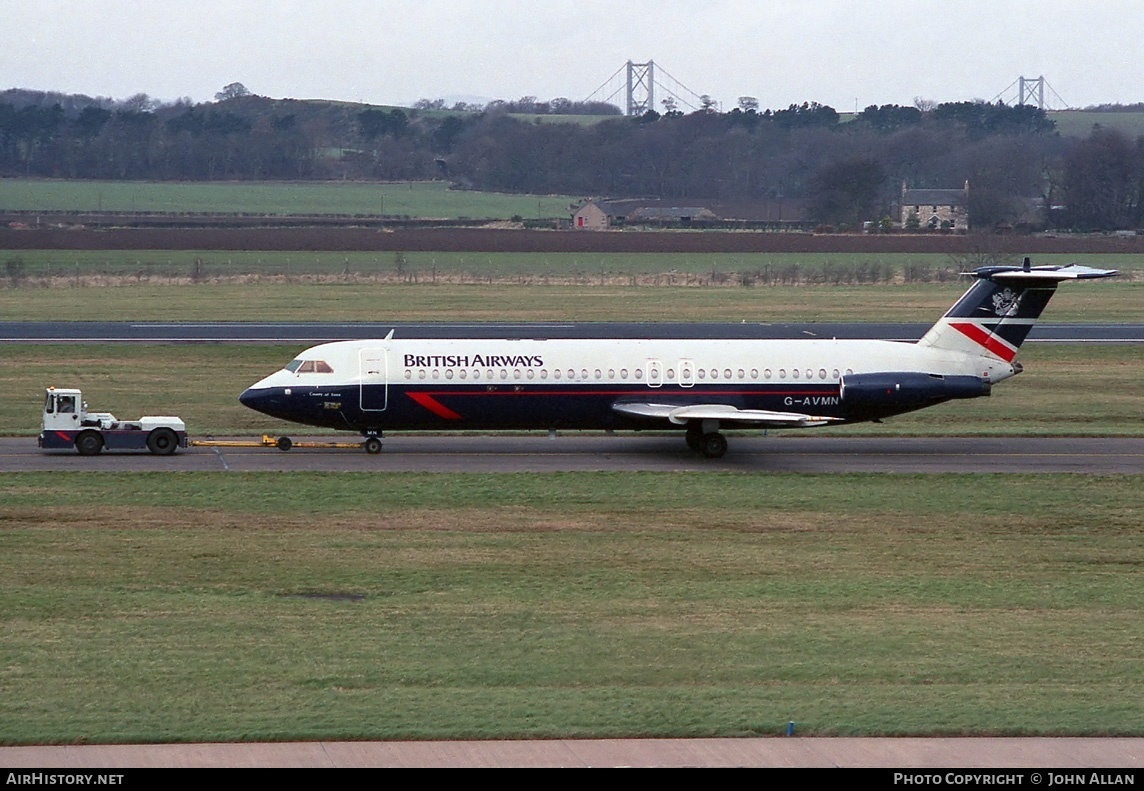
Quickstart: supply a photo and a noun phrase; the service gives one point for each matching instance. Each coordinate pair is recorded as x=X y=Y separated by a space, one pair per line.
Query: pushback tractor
x=67 y=424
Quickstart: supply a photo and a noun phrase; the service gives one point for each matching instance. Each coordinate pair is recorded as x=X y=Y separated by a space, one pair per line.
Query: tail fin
x=995 y=315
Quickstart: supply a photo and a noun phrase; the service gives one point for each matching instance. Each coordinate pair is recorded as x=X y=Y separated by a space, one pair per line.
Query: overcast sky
x=838 y=52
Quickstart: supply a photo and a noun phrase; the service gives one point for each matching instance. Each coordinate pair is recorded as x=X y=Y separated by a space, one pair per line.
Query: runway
x=624 y=453
x=311 y=333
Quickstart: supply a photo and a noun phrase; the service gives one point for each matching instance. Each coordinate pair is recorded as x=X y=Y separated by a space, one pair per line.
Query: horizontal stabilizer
x=1042 y=274
x=680 y=415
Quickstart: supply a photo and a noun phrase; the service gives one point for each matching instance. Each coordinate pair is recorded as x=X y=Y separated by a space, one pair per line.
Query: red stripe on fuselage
x=434 y=406
x=984 y=339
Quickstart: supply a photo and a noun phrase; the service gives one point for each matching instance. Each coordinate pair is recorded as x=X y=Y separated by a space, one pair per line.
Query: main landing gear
x=706 y=441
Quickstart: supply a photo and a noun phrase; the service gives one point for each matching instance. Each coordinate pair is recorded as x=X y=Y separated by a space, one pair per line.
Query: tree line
x=846 y=171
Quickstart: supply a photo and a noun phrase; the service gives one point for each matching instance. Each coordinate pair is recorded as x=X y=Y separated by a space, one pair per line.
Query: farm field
x=1064 y=391
x=1078 y=123
x=218 y=607
x=415 y=199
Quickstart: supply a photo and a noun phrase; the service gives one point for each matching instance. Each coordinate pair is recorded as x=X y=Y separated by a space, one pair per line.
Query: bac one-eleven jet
x=695 y=386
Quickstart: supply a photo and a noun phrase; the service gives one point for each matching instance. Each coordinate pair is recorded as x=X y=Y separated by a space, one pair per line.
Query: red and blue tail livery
x=696 y=386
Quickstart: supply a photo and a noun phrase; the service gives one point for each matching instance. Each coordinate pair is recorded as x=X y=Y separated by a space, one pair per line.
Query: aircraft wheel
x=162 y=442
x=372 y=445
x=89 y=443
x=713 y=445
x=284 y=443
x=695 y=439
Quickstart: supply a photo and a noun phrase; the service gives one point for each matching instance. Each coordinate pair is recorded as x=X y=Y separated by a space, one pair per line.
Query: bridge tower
x=1028 y=88
x=640 y=87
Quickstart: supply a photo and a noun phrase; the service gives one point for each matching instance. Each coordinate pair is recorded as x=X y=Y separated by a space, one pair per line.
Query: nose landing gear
x=372 y=442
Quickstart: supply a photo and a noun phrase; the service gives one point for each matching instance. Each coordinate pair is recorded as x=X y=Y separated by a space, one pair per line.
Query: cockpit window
x=292 y=366
x=314 y=367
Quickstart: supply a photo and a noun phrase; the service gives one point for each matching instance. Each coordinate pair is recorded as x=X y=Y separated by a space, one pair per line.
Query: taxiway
x=624 y=453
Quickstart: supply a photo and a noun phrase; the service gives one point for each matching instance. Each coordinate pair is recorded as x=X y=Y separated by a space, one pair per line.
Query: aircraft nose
x=254 y=399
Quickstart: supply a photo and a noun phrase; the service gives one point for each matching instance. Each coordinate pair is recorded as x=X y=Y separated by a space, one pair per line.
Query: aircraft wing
x=680 y=415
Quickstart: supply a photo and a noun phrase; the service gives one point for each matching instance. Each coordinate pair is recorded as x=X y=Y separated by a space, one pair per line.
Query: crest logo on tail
x=1006 y=303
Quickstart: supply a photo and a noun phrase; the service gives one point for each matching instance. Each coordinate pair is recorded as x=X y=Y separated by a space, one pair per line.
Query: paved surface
x=1032 y=753
x=318 y=332
x=623 y=452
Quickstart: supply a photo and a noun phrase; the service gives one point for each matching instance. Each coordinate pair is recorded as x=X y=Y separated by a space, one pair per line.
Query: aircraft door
x=374 y=380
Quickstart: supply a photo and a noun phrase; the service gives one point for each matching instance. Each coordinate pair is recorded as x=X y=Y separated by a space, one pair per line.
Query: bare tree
x=233 y=91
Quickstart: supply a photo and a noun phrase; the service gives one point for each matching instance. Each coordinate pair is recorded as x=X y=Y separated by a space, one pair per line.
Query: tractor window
x=67 y=405
x=49 y=404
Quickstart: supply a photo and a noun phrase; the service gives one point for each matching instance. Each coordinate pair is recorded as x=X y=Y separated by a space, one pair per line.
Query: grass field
x=199 y=286
x=203 y=607
x=414 y=199
x=1064 y=391
x=589 y=268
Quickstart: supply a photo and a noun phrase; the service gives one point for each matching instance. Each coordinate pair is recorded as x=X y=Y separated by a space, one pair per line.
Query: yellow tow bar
x=282 y=443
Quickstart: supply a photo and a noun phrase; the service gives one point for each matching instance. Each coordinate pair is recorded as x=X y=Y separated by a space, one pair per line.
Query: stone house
x=936 y=209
